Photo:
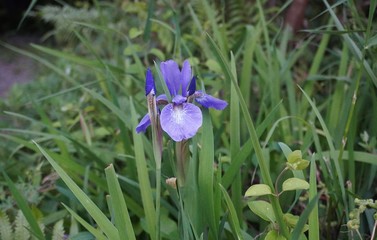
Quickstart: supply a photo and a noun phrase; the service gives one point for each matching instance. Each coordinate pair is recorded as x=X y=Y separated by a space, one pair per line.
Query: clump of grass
x=306 y=91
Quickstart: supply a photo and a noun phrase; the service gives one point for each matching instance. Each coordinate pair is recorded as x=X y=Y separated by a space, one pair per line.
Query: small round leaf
x=295 y=184
x=295 y=156
x=258 y=190
x=274 y=235
x=263 y=209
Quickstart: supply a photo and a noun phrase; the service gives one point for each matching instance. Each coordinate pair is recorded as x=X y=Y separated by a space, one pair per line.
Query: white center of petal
x=178 y=114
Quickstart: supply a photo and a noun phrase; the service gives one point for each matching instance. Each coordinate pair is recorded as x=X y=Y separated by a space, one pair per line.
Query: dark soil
x=16 y=68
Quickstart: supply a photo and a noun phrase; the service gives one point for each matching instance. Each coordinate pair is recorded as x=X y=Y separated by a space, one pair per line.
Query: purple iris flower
x=180 y=118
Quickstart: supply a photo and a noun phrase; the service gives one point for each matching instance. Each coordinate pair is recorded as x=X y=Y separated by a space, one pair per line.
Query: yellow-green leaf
x=274 y=235
x=295 y=184
x=263 y=209
x=258 y=190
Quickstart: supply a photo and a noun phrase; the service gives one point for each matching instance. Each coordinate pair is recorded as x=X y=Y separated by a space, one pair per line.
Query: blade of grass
x=26 y=13
x=143 y=177
x=253 y=135
x=205 y=175
x=211 y=14
x=99 y=217
x=96 y=233
x=119 y=206
x=232 y=213
x=313 y=217
x=251 y=38
x=26 y=210
x=352 y=45
x=304 y=217
x=110 y=105
x=235 y=145
x=332 y=150
x=148 y=23
x=67 y=163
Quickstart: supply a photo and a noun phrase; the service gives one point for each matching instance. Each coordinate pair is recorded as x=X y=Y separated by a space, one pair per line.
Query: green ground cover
x=292 y=156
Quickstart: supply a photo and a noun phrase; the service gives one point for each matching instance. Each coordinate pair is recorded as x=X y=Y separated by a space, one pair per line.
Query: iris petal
x=162 y=99
x=179 y=99
x=181 y=121
x=192 y=87
x=210 y=102
x=170 y=72
x=185 y=76
x=149 y=83
x=144 y=123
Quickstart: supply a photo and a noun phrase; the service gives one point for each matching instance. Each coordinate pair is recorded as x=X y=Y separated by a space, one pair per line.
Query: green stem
x=181 y=152
x=158 y=200
x=278 y=180
x=157 y=152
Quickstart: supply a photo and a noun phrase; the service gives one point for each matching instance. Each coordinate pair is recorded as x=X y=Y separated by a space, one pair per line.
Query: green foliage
x=265 y=210
x=19 y=228
x=304 y=89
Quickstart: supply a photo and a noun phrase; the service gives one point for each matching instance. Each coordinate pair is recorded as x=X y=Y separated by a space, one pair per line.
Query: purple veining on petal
x=144 y=124
x=179 y=99
x=185 y=76
x=192 y=87
x=170 y=72
x=181 y=122
x=210 y=102
x=149 y=83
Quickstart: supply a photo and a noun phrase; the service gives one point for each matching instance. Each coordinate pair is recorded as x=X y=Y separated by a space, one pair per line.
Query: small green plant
x=296 y=164
x=361 y=206
x=19 y=228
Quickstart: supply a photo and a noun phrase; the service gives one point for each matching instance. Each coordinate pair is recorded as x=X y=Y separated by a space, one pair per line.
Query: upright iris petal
x=192 y=86
x=185 y=77
x=180 y=118
x=149 y=83
x=170 y=72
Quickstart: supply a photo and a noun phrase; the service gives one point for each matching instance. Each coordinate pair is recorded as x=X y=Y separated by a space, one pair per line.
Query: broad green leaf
x=295 y=184
x=263 y=209
x=258 y=190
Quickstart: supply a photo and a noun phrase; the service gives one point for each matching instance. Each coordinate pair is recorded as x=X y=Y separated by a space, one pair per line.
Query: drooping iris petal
x=170 y=72
x=179 y=99
x=185 y=76
x=192 y=87
x=149 y=83
x=181 y=121
x=210 y=102
x=144 y=123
